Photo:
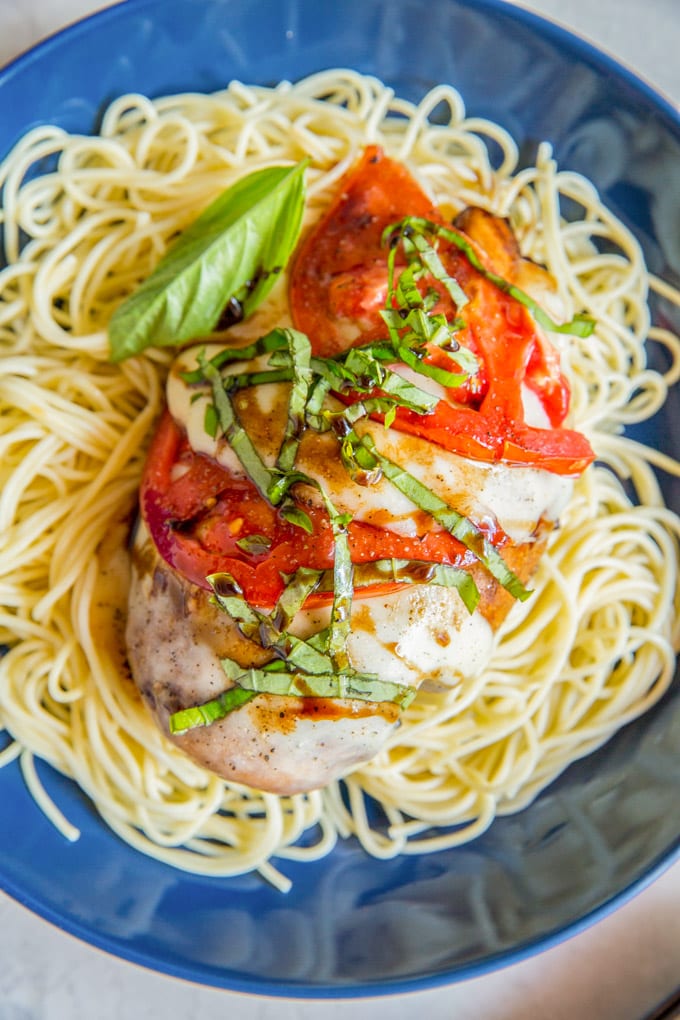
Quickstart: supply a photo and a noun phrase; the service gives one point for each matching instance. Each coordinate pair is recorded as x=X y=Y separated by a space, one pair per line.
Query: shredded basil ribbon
x=408 y=314
x=237 y=437
x=299 y=355
x=415 y=229
x=272 y=483
x=316 y=668
x=273 y=341
x=254 y=545
x=402 y=571
x=343 y=589
x=251 y=682
x=459 y=526
x=338 y=684
x=319 y=666
x=269 y=629
x=209 y=712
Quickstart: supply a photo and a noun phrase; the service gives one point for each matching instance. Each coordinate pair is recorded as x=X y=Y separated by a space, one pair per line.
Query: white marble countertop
x=618 y=969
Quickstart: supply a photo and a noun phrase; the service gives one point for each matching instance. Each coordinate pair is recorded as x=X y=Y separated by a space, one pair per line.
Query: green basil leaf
x=580 y=325
x=443 y=575
x=299 y=586
x=343 y=588
x=440 y=375
x=251 y=682
x=341 y=684
x=235 y=249
x=255 y=545
x=455 y=523
x=270 y=342
x=210 y=421
x=244 y=380
x=265 y=628
x=210 y=712
x=406 y=289
x=434 y=265
x=297 y=516
x=225 y=416
x=300 y=353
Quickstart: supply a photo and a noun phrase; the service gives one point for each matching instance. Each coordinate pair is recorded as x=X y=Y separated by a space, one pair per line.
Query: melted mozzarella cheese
x=176 y=638
x=421 y=634
x=516 y=497
x=534 y=412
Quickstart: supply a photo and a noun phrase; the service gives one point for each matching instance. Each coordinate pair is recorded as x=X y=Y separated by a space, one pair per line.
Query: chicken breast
x=285 y=745
x=419 y=634
x=176 y=637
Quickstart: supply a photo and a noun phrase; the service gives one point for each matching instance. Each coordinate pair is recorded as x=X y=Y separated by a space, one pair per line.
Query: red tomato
x=204 y=520
x=339 y=277
x=197 y=512
x=338 y=287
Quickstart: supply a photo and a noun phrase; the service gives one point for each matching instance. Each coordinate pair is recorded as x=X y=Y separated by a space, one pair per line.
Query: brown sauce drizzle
x=283 y=718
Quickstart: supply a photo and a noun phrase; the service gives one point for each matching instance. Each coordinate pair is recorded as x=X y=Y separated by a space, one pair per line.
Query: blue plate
x=611 y=823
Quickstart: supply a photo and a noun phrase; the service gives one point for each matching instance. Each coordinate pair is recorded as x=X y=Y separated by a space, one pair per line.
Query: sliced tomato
x=338 y=287
x=339 y=276
x=205 y=520
x=197 y=513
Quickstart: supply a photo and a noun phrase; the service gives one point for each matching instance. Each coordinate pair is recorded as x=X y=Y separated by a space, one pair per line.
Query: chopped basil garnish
x=250 y=682
x=415 y=229
x=317 y=668
x=343 y=589
x=412 y=324
x=368 y=381
x=299 y=354
x=226 y=418
x=400 y=571
x=456 y=524
x=273 y=341
x=339 y=684
x=210 y=712
x=443 y=574
x=254 y=545
x=299 y=586
x=267 y=629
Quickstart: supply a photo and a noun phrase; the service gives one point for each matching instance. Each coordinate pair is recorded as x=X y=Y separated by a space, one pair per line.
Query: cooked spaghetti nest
x=85 y=219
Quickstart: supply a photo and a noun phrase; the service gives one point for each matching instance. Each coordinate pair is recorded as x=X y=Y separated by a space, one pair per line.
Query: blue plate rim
x=200 y=974
x=549 y=26
x=323 y=992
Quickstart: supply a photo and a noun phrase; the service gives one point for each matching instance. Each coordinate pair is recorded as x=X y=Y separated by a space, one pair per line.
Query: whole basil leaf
x=235 y=249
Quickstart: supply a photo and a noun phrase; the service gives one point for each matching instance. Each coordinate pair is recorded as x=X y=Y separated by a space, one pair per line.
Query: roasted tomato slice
x=203 y=520
x=339 y=284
